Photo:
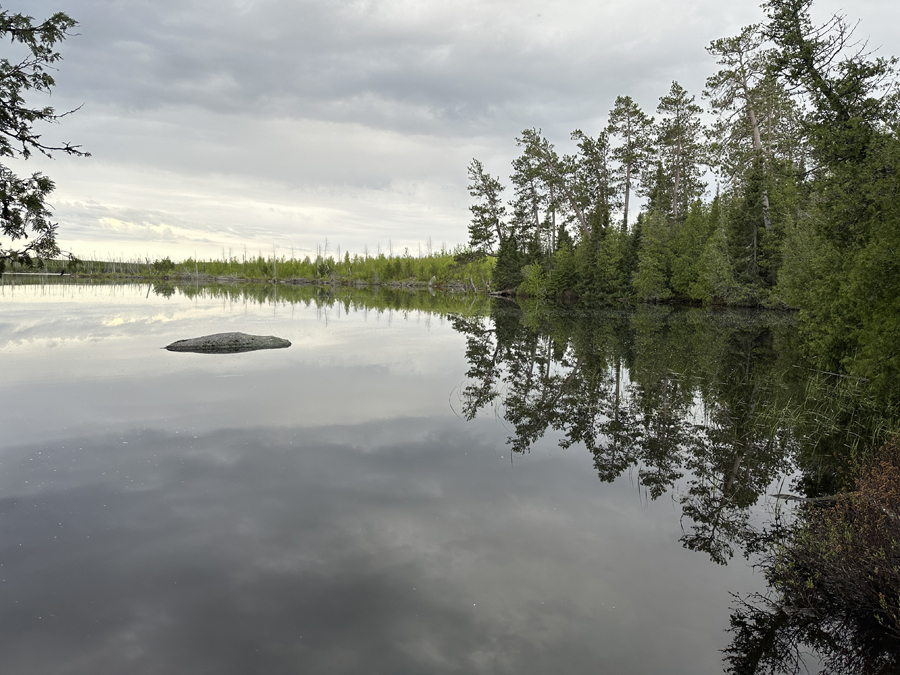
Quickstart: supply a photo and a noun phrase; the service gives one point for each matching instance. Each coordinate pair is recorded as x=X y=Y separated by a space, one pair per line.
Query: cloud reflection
x=405 y=546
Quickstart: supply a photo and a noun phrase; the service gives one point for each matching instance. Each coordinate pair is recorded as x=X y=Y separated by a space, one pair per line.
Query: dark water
x=351 y=504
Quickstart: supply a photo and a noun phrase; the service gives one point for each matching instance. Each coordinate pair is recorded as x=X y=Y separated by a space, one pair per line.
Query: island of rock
x=228 y=343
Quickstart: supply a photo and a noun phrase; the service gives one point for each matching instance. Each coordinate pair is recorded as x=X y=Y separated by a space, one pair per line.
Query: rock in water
x=228 y=343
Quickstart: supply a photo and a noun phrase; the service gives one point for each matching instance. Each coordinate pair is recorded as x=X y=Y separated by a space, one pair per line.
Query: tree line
x=803 y=214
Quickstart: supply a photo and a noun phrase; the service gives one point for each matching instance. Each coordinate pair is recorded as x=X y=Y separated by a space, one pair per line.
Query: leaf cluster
x=25 y=214
x=30 y=73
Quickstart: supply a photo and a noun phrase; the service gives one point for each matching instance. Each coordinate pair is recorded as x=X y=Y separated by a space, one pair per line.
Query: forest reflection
x=672 y=394
x=721 y=404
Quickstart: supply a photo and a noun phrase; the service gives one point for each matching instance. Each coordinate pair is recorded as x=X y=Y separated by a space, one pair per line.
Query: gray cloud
x=352 y=119
x=412 y=66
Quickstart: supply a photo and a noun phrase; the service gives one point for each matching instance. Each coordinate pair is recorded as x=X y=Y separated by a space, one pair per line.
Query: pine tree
x=532 y=198
x=593 y=182
x=25 y=215
x=557 y=176
x=486 y=228
x=681 y=147
x=733 y=93
x=629 y=124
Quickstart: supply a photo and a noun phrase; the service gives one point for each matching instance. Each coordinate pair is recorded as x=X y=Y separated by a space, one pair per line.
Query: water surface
x=339 y=506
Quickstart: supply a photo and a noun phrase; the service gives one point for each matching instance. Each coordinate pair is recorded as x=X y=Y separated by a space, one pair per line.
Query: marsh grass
x=434 y=268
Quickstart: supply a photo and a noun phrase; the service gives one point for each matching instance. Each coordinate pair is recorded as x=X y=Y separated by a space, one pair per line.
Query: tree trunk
x=627 y=195
x=585 y=230
x=757 y=146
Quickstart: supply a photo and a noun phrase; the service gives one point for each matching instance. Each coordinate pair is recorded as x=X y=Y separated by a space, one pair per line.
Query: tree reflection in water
x=720 y=400
x=669 y=394
x=834 y=584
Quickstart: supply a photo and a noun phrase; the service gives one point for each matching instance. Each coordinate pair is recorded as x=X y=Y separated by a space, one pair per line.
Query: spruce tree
x=507 y=274
x=687 y=249
x=653 y=270
x=593 y=184
x=609 y=273
x=563 y=273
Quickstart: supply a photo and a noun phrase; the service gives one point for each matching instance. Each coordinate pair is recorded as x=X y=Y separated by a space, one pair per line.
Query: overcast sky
x=220 y=124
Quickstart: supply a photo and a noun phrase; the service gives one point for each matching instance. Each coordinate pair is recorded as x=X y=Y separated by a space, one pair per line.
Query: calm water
x=351 y=504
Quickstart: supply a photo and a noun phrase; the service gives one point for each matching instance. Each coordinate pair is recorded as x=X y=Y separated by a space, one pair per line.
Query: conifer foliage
x=803 y=158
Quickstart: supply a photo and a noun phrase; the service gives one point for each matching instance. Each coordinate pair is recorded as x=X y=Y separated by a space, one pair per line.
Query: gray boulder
x=228 y=343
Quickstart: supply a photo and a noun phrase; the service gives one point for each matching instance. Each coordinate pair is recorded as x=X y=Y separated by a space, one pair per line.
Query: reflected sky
x=316 y=509
x=93 y=355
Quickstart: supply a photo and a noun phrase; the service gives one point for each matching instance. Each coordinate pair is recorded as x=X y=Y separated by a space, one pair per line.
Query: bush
x=164 y=266
x=836 y=577
x=534 y=283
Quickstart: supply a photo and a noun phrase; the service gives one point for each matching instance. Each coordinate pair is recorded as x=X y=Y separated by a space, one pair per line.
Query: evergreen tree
x=716 y=283
x=609 y=274
x=585 y=268
x=507 y=272
x=658 y=187
x=851 y=131
x=629 y=124
x=687 y=249
x=531 y=198
x=486 y=228
x=554 y=173
x=745 y=224
x=652 y=279
x=681 y=147
x=593 y=183
x=565 y=239
x=25 y=215
x=632 y=246
x=563 y=273
x=733 y=94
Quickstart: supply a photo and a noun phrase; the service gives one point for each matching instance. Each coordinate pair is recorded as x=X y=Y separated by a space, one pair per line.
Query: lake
x=419 y=484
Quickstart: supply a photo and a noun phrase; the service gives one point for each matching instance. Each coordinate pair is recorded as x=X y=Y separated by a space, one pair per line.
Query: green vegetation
x=461 y=269
x=378 y=299
x=806 y=155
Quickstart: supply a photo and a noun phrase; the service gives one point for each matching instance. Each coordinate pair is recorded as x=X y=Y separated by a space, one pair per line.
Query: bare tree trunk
x=757 y=146
x=677 y=185
x=585 y=230
x=553 y=236
x=537 y=213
